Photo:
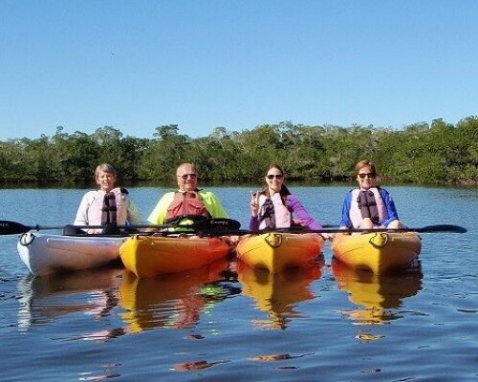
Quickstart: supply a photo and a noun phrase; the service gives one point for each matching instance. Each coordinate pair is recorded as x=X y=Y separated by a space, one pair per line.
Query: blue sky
x=136 y=65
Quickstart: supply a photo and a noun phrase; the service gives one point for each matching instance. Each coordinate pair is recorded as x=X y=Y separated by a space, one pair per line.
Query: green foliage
x=439 y=153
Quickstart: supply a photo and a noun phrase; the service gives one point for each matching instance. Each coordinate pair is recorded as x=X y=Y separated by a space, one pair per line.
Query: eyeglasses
x=368 y=175
x=271 y=176
x=185 y=176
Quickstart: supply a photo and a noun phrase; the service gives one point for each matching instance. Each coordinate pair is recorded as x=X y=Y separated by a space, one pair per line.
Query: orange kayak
x=148 y=256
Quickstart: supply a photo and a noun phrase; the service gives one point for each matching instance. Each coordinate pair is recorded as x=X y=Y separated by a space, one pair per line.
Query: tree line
x=438 y=153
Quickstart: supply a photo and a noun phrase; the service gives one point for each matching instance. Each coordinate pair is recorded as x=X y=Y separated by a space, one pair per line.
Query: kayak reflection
x=47 y=298
x=379 y=297
x=176 y=300
x=278 y=294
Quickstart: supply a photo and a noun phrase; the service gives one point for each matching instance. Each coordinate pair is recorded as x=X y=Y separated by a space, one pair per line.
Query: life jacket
x=186 y=203
x=108 y=207
x=367 y=204
x=273 y=213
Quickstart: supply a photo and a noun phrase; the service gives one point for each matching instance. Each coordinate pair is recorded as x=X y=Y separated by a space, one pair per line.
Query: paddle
x=14 y=228
x=439 y=228
x=449 y=228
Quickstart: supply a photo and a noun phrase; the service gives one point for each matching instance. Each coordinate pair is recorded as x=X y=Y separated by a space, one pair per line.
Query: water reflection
x=175 y=300
x=278 y=294
x=44 y=299
x=378 y=297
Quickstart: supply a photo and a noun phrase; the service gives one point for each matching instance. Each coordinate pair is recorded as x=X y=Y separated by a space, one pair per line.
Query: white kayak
x=45 y=254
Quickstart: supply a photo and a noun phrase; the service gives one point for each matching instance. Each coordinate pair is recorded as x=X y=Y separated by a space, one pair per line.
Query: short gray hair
x=105 y=167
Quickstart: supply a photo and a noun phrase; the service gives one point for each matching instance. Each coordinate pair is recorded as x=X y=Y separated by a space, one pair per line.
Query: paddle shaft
x=440 y=228
x=14 y=228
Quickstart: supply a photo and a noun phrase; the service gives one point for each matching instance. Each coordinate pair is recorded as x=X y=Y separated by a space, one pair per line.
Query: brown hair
x=284 y=191
x=275 y=165
x=364 y=163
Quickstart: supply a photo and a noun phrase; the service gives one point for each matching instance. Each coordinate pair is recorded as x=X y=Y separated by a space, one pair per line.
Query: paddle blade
x=442 y=228
x=12 y=228
x=224 y=224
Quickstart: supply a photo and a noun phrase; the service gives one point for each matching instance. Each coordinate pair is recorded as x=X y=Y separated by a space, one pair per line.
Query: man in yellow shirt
x=187 y=201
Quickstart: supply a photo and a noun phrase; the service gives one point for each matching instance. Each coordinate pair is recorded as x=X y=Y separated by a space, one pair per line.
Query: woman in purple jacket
x=275 y=207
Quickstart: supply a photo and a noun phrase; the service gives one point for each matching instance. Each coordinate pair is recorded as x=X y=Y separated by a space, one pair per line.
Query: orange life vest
x=186 y=203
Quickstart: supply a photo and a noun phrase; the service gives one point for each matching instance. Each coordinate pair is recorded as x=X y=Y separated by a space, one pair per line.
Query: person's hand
x=254 y=203
x=298 y=223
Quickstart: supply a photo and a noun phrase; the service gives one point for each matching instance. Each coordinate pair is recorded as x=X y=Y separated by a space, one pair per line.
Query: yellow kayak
x=379 y=252
x=277 y=252
x=148 y=256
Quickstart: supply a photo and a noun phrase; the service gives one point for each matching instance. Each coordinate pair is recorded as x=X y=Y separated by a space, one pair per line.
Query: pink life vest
x=108 y=207
x=367 y=203
x=187 y=203
x=273 y=213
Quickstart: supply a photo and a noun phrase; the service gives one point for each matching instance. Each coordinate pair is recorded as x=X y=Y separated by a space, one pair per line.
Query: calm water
x=322 y=324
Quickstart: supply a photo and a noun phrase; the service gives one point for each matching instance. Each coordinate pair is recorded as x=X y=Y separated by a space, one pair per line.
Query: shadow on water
x=278 y=294
x=378 y=297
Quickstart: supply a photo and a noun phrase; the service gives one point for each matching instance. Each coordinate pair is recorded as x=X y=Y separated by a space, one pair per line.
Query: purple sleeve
x=299 y=213
x=253 y=224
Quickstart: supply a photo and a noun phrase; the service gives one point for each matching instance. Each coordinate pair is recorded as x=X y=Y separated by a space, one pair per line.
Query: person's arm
x=254 y=223
x=158 y=215
x=133 y=216
x=254 y=203
x=213 y=204
x=299 y=213
x=82 y=213
x=345 y=220
x=392 y=213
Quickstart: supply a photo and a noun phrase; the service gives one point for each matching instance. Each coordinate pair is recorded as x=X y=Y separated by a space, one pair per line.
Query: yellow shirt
x=210 y=200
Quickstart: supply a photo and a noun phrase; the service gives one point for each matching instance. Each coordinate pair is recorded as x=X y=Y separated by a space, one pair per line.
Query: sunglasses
x=185 y=176
x=368 y=175
x=279 y=176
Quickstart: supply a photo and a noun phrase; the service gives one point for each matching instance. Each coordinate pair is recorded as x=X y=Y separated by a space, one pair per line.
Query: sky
x=237 y=64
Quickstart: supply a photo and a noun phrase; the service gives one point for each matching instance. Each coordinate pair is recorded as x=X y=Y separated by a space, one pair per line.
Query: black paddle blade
x=12 y=228
x=224 y=224
x=443 y=228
